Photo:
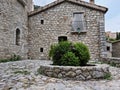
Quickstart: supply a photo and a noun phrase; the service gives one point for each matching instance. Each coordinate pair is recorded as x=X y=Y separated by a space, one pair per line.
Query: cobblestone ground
x=22 y=75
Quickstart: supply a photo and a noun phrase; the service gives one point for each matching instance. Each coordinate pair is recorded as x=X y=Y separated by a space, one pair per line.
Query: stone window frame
x=84 y=20
x=18 y=39
x=42 y=22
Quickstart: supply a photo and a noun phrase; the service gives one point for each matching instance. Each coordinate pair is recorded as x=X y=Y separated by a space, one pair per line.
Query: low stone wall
x=112 y=61
x=75 y=73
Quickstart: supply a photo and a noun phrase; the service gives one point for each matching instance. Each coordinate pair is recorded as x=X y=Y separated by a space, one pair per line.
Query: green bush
x=15 y=58
x=66 y=53
x=52 y=50
x=69 y=59
x=82 y=52
x=57 y=51
x=107 y=76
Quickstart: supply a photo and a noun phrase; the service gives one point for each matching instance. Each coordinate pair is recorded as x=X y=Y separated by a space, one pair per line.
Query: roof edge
x=79 y=2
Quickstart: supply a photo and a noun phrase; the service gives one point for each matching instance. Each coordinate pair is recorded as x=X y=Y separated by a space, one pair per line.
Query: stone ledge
x=112 y=61
x=75 y=73
x=76 y=32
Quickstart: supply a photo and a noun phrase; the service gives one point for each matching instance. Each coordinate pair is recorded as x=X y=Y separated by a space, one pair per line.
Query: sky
x=112 y=17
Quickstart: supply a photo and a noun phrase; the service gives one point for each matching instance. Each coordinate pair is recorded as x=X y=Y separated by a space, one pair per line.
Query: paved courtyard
x=22 y=75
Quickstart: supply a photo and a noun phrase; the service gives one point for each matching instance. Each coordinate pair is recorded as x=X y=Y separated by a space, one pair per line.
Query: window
x=108 y=48
x=17 y=37
x=78 y=22
x=62 y=38
x=42 y=21
x=41 y=49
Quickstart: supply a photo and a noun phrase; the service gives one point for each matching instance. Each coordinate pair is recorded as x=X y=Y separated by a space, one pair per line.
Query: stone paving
x=22 y=75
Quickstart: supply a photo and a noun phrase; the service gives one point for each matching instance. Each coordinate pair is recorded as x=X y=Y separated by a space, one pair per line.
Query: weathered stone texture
x=116 y=49
x=57 y=22
x=13 y=15
x=112 y=61
x=75 y=73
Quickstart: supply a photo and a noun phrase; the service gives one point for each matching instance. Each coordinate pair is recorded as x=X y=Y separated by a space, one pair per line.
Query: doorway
x=62 y=38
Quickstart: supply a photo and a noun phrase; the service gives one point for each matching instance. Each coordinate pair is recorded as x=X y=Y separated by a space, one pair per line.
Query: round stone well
x=75 y=73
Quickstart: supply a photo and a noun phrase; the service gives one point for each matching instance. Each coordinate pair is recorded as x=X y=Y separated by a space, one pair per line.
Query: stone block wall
x=112 y=61
x=29 y=5
x=116 y=49
x=13 y=15
x=57 y=22
x=109 y=49
x=75 y=73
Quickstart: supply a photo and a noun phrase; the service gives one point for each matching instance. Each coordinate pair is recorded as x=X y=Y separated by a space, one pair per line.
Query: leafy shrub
x=15 y=58
x=107 y=76
x=69 y=59
x=82 y=52
x=66 y=53
x=52 y=50
x=58 y=51
x=36 y=6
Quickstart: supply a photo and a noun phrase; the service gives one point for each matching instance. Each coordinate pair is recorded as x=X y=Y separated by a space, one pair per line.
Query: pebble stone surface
x=22 y=75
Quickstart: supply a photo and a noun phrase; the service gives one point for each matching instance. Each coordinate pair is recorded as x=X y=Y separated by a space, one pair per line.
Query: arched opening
x=17 y=37
x=62 y=38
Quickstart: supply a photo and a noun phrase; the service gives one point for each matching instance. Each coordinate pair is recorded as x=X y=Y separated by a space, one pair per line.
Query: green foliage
x=36 y=6
x=13 y=58
x=117 y=36
x=113 y=64
x=82 y=52
x=108 y=76
x=69 y=59
x=66 y=53
x=51 y=52
x=39 y=71
x=112 y=40
x=59 y=50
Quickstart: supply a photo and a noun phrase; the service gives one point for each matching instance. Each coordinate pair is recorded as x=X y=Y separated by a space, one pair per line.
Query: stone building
x=116 y=49
x=31 y=35
x=108 y=49
x=110 y=34
x=14 y=27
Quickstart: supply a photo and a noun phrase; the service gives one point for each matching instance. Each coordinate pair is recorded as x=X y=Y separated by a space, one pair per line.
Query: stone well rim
x=75 y=73
x=94 y=66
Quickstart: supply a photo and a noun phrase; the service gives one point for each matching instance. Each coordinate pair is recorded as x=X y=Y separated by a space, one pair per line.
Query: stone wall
x=29 y=5
x=13 y=15
x=109 y=49
x=112 y=61
x=116 y=49
x=75 y=73
x=57 y=22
